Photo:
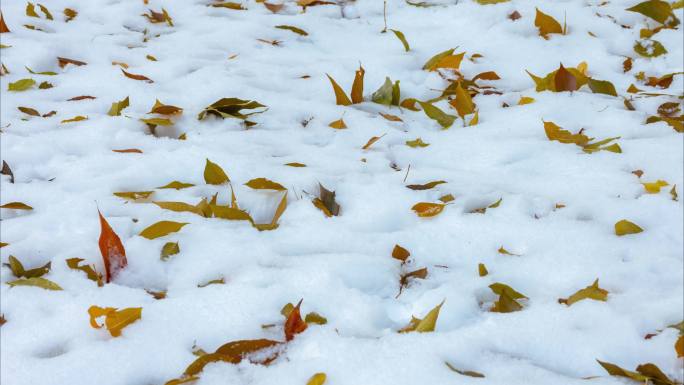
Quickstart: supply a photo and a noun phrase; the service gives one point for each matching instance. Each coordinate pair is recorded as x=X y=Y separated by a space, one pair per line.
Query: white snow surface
x=340 y=266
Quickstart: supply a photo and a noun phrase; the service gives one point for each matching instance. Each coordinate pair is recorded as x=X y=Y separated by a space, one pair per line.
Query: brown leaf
x=163 y=109
x=136 y=77
x=371 y=141
x=627 y=65
x=129 y=150
x=391 y=118
x=82 y=97
x=400 y=253
x=6 y=170
x=3 y=26
x=29 y=111
x=294 y=323
x=425 y=186
x=425 y=209
x=273 y=7
x=62 y=61
x=564 y=80
x=112 y=250
x=514 y=16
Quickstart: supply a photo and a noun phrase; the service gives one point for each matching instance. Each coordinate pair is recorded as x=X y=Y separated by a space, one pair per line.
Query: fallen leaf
x=649 y=48
x=91 y=273
x=402 y=38
x=75 y=119
x=602 y=87
x=294 y=323
x=134 y=195
x=418 y=142
x=229 y=5
x=169 y=249
x=590 y=292
x=70 y=14
x=384 y=94
x=214 y=174
x=673 y=193
x=35 y=282
x=295 y=164
x=654 y=187
x=129 y=150
x=391 y=118
x=326 y=202
x=112 y=250
x=21 y=85
x=657 y=10
x=482 y=270
x=357 y=86
x=83 y=97
x=425 y=209
x=3 y=26
x=338 y=124
x=231 y=108
x=341 y=99
x=426 y=324
x=19 y=271
x=625 y=227
x=115 y=320
x=317 y=379
x=564 y=80
x=296 y=30
x=468 y=373
x=29 y=111
x=503 y=251
x=161 y=229
x=463 y=103
x=63 y=62
x=136 y=77
x=400 y=253
x=444 y=120
x=164 y=109
x=159 y=17
x=16 y=206
x=371 y=141
x=177 y=185
x=6 y=170
x=546 y=24
x=273 y=7
x=315 y=318
x=426 y=186
x=525 y=100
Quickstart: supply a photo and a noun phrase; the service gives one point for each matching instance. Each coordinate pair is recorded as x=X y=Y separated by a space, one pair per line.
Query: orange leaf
x=294 y=323
x=3 y=26
x=679 y=346
x=62 y=61
x=273 y=7
x=564 y=80
x=341 y=99
x=371 y=141
x=137 y=77
x=391 y=118
x=129 y=150
x=425 y=209
x=112 y=250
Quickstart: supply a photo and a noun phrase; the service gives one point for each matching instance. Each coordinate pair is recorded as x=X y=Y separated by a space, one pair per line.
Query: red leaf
x=564 y=80
x=294 y=324
x=113 y=252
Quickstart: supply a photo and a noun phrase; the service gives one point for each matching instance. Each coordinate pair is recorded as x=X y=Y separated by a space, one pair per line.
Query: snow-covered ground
x=342 y=265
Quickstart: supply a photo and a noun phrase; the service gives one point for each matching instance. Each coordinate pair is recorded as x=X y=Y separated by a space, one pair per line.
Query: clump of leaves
x=112 y=250
x=667 y=112
x=427 y=324
x=508 y=297
x=310 y=318
x=592 y=291
x=571 y=79
x=115 y=320
x=232 y=108
x=159 y=17
x=326 y=202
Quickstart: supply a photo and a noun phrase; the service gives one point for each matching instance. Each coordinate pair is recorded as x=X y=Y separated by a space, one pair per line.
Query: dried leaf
x=29 y=111
x=296 y=30
x=315 y=318
x=6 y=170
x=115 y=320
x=418 y=142
x=169 y=249
x=18 y=269
x=554 y=132
x=615 y=370
x=46 y=73
x=546 y=24
x=91 y=273
x=214 y=174
x=426 y=186
x=679 y=346
x=63 y=62
x=468 y=373
x=602 y=87
x=402 y=38
x=264 y=184
x=673 y=193
x=295 y=164
x=371 y=141
x=134 y=195
x=425 y=209
x=400 y=253
x=432 y=63
x=654 y=187
x=482 y=270
x=112 y=250
x=444 y=120
x=391 y=118
x=163 y=109
x=35 y=282
x=16 y=206
x=273 y=7
x=21 y=85
x=426 y=324
x=357 y=86
x=649 y=48
x=176 y=185
x=294 y=323
x=3 y=26
x=384 y=94
x=70 y=14
x=463 y=103
x=590 y=292
x=503 y=251
x=231 y=108
x=161 y=229
x=564 y=80
x=657 y=10
x=229 y=5
x=341 y=99
x=317 y=379
x=82 y=97
x=625 y=227
x=136 y=77
x=338 y=124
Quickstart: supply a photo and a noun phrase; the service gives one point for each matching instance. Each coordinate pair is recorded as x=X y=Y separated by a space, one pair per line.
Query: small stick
x=384 y=15
x=407 y=171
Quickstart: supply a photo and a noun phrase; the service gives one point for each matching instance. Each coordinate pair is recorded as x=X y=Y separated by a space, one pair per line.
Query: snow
x=340 y=266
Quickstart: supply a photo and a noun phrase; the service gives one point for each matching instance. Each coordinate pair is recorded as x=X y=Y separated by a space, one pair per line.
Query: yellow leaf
x=134 y=195
x=426 y=324
x=418 y=142
x=546 y=24
x=317 y=379
x=391 y=118
x=264 y=184
x=231 y=213
x=338 y=124
x=673 y=193
x=176 y=185
x=157 y=121
x=482 y=270
x=506 y=252
x=163 y=109
x=74 y=119
x=115 y=320
x=169 y=249
x=463 y=103
x=625 y=227
x=425 y=209
x=654 y=187
x=16 y=206
x=179 y=207
x=341 y=99
x=554 y=132
x=278 y=213
x=161 y=229
x=590 y=292
x=117 y=107
x=357 y=86
x=36 y=282
x=431 y=64
x=475 y=119
x=214 y=174
x=371 y=141
x=295 y=164
x=525 y=100
x=425 y=186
